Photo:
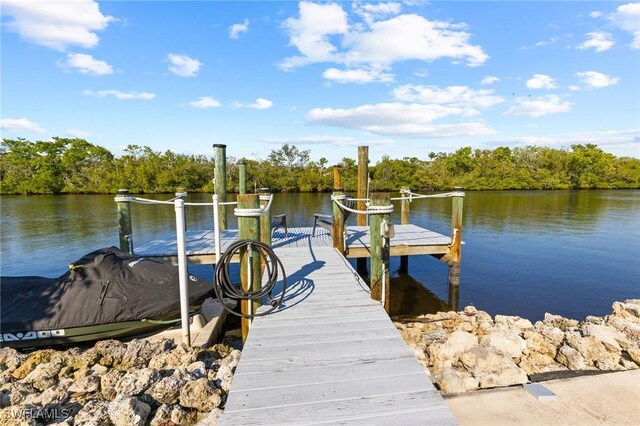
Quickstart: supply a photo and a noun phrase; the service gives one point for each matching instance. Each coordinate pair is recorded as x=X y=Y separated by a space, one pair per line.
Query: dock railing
x=253 y=273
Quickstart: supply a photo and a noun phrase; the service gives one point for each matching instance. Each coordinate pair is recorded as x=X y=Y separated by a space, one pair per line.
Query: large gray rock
x=128 y=411
x=458 y=343
x=137 y=381
x=43 y=376
x=199 y=394
x=437 y=335
x=197 y=369
x=506 y=342
x=94 y=413
x=111 y=351
x=232 y=359
x=138 y=354
x=492 y=368
x=87 y=384
x=223 y=378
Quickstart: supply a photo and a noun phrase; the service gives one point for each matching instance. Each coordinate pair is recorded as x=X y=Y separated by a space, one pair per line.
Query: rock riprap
x=116 y=383
x=470 y=350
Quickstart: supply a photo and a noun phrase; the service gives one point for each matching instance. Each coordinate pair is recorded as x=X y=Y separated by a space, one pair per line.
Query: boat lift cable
x=224 y=286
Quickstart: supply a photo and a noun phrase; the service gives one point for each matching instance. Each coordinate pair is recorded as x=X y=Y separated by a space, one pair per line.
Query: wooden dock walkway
x=409 y=240
x=330 y=355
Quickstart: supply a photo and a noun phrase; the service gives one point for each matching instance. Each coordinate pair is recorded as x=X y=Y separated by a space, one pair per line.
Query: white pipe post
x=216 y=228
x=250 y=279
x=182 y=271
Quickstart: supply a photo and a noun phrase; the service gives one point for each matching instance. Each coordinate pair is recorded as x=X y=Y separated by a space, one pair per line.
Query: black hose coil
x=224 y=286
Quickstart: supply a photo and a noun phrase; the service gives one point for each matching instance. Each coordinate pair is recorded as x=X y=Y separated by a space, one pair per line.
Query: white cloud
x=183 y=65
x=360 y=76
x=371 y=12
x=205 y=102
x=86 y=64
x=236 y=29
x=595 y=14
x=627 y=18
x=399 y=119
x=489 y=79
x=538 y=107
x=260 y=103
x=552 y=40
x=20 y=125
x=56 y=24
x=541 y=81
x=374 y=44
x=145 y=96
x=454 y=95
x=327 y=140
x=77 y=133
x=596 y=80
x=598 y=40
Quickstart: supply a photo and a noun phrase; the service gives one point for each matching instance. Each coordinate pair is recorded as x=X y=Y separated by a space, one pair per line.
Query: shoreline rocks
x=470 y=350
x=116 y=383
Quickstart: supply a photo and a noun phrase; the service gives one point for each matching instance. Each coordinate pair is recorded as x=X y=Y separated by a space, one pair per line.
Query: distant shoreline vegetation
x=75 y=166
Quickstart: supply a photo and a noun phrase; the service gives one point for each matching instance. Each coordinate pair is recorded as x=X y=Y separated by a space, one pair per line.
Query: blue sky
x=405 y=78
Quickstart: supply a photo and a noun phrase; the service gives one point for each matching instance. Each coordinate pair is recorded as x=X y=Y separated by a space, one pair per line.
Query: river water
x=526 y=252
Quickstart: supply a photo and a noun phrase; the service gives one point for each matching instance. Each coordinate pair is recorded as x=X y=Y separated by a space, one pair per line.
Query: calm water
x=526 y=252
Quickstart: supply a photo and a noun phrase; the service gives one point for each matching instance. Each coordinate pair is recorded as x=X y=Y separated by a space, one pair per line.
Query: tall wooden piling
x=404 y=220
x=249 y=229
x=379 y=278
x=337 y=178
x=363 y=177
x=456 y=237
x=265 y=219
x=124 y=222
x=220 y=181
x=337 y=227
x=242 y=177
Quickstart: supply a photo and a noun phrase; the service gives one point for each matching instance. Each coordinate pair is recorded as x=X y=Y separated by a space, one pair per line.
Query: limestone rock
x=162 y=417
x=43 y=376
x=10 y=359
x=85 y=360
x=137 y=381
x=452 y=381
x=128 y=411
x=470 y=310
x=491 y=368
x=200 y=395
x=111 y=352
x=629 y=309
x=179 y=356
x=18 y=416
x=506 y=342
x=211 y=419
x=570 y=358
x=232 y=359
x=167 y=390
x=33 y=360
x=589 y=347
x=609 y=336
x=630 y=329
x=85 y=385
x=438 y=335
x=56 y=395
x=16 y=393
x=536 y=342
x=562 y=323
x=197 y=369
x=634 y=354
x=108 y=383
x=513 y=322
x=554 y=335
x=95 y=412
x=137 y=354
x=458 y=343
x=223 y=378
x=536 y=363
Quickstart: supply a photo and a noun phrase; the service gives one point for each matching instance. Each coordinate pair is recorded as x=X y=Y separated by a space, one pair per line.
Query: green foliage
x=77 y=166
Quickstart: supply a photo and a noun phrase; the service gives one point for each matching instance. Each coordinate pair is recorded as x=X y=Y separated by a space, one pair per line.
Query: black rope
x=225 y=288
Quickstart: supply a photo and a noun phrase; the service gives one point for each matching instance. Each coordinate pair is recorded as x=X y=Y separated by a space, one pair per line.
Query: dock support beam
x=379 y=254
x=265 y=219
x=337 y=178
x=124 y=222
x=250 y=271
x=220 y=181
x=337 y=227
x=404 y=220
x=363 y=177
x=456 y=237
x=242 y=177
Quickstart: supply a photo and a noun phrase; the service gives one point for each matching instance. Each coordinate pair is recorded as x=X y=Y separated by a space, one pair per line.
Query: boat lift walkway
x=329 y=355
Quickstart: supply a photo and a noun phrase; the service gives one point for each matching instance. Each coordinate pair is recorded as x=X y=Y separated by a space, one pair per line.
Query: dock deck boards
x=329 y=355
x=409 y=239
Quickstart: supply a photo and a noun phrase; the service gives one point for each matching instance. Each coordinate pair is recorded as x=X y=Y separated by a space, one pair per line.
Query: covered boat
x=106 y=294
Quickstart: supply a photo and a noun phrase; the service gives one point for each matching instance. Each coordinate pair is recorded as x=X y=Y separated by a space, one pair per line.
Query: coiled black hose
x=224 y=286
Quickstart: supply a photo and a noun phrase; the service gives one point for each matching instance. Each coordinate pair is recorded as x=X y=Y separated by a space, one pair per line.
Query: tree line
x=76 y=166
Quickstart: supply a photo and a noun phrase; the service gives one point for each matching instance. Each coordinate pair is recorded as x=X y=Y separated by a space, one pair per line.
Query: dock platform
x=329 y=355
x=409 y=240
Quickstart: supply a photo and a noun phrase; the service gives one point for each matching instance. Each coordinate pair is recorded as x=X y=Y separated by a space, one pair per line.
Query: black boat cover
x=102 y=287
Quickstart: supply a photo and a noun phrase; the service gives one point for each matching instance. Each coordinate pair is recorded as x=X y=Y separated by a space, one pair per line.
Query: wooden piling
x=242 y=177
x=404 y=220
x=124 y=222
x=454 y=297
x=337 y=227
x=220 y=181
x=456 y=237
x=337 y=180
x=265 y=220
x=376 y=275
x=363 y=177
x=249 y=229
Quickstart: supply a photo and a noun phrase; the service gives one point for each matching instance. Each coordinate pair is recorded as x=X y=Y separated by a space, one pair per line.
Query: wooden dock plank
x=330 y=355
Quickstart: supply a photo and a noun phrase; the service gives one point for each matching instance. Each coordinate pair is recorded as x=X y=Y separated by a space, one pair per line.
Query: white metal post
x=182 y=271
x=216 y=228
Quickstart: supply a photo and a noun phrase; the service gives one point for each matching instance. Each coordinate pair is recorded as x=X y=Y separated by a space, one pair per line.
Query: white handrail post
x=182 y=271
x=216 y=228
